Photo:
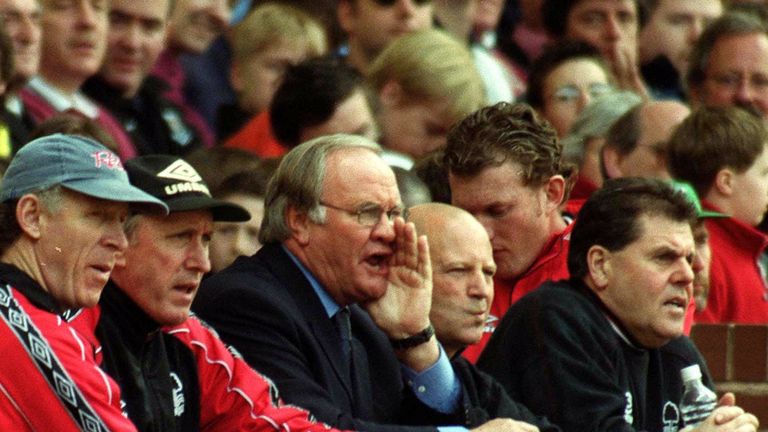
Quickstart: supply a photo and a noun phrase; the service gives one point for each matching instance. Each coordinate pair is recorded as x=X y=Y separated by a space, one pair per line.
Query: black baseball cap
x=176 y=183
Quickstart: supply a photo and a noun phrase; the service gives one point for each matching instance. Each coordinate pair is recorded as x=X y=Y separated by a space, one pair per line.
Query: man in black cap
x=175 y=374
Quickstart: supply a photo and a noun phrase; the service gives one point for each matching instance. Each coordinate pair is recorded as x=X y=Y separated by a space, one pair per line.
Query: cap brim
x=220 y=210
x=114 y=190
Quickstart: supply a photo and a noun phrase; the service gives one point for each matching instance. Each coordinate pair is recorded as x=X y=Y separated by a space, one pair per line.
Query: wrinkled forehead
x=357 y=172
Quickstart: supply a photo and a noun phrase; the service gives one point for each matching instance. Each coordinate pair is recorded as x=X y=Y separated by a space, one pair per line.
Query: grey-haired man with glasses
x=335 y=307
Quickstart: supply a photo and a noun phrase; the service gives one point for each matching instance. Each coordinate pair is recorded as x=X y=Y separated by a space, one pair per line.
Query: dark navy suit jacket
x=266 y=308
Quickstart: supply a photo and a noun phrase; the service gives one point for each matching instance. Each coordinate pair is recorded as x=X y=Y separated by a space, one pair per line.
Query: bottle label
x=695 y=414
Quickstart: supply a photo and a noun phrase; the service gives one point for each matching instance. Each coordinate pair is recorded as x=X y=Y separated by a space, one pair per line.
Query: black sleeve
x=552 y=355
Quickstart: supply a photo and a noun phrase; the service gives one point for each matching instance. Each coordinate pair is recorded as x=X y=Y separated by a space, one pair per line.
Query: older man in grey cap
x=64 y=201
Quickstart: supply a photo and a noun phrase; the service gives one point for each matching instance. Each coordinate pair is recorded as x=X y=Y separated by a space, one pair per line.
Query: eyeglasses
x=388 y=3
x=732 y=81
x=571 y=93
x=369 y=215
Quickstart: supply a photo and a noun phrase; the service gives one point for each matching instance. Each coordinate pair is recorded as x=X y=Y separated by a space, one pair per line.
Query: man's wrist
x=414 y=340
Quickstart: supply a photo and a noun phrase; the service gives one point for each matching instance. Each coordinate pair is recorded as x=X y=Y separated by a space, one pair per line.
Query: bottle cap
x=690 y=373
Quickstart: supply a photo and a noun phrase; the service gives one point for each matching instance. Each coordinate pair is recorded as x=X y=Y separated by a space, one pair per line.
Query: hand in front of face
x=507 y=425
x=625 y=67
x=728 y=417
x=404 y=309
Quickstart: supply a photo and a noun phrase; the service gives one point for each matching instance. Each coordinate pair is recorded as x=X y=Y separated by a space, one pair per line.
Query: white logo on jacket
x=628 y=417
x=178 y=396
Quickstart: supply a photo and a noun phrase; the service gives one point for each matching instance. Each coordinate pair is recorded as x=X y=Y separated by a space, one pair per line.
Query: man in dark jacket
x=335 y=306
x=135 y=38
x=603 y=350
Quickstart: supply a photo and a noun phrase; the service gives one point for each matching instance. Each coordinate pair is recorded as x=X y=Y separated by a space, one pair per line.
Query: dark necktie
x=345 y=331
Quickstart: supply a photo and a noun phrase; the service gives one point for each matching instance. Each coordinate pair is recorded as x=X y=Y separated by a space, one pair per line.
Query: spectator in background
x=8 y=145
x=426 y=81
x=135 y=38
x=521 y=36
x=722 y=152
x=505 y=168
x=70 y=123
x=370 y=25
x=636 y=144
x=233 y=239
x=64 y=201
x=412 y=189
x=667 y=38
x=457 y=18
x=219 y=163
x=339 y=104
x=74 y=40
x=564 y=80
x=431 y=170
x=610 y=26
x=729 y=64
x=192 y=27
x=584 y=143
x=270 y=39
x=21 y=20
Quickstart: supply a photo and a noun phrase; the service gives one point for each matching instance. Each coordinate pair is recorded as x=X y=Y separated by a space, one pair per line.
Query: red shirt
x=737 y=290
x=256 y=137
x=551 y=264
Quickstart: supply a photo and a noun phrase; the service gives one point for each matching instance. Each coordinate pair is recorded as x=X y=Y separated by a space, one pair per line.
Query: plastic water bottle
x=698 y=400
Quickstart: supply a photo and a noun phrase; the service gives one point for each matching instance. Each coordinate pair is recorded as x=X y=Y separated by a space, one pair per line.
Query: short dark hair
x=712 y=138
x=729 y=24
x=553 y=57
x=623 y=135
x=555 y=13
x=251 y=182
x=309 y=95
x=74 y=123
x=11 y=229
x=610 y=217
x=432 y=171
x=502 y=133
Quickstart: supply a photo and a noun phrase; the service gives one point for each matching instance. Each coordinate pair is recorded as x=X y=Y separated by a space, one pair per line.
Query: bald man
x=462 y=292
x=636 y=145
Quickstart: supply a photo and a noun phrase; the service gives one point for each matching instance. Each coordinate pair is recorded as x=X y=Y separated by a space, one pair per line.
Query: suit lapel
x=314 y=314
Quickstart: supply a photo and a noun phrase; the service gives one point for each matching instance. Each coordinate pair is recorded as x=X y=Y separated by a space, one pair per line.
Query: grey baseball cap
x=76 y=163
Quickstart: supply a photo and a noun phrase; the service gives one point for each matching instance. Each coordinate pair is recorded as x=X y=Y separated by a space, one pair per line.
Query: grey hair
x=51 y=198
x=595 y=121
x=298 y=183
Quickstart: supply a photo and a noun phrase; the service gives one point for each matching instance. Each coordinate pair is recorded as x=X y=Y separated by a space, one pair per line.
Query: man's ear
x=723 y=184
x=29 y=211
x=391 y=94
x=599 y=266
x=611 y=161
x=554 y=191
x=298 y=222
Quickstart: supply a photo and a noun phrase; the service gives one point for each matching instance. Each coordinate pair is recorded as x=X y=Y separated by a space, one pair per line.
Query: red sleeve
x=49 y=375
x=234 y=396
